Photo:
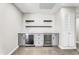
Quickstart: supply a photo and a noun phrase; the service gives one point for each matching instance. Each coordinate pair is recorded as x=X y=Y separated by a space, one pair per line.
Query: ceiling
x=43 y=7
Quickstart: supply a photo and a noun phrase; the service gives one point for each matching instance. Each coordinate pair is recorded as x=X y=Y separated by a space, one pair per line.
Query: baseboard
x=66 y=47
x=13 y=50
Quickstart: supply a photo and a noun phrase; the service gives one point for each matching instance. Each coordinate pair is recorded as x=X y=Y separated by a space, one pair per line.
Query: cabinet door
x=38 y=39
x=55 y=39
x=65 y=40
x=36 y=43
x=70 y=37
x=21 y=39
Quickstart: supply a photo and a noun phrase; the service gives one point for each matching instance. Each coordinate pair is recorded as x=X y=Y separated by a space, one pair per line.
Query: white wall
x=10 y=25
x=77 y=29
x=38 y=18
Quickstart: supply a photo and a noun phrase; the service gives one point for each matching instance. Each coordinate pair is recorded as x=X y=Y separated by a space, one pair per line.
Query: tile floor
x=44 y=51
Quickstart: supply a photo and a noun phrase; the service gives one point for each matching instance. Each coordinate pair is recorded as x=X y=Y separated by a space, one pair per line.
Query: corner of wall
x=67 y=47
x=13 y=50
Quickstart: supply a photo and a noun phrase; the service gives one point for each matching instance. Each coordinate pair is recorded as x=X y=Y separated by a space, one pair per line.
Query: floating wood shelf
x=47 y=20
x=29 y=20
x=38 y=26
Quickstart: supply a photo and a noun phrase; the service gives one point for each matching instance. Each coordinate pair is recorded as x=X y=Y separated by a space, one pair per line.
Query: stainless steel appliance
x=47 y=39
x=25 y=40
